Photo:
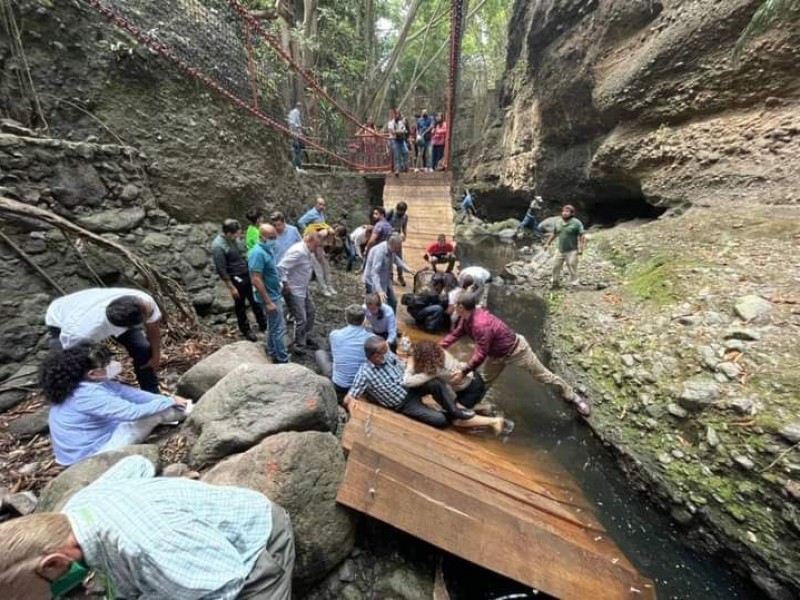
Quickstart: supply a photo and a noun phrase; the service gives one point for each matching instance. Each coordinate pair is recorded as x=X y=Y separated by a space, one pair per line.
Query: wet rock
x=255 y=401
x=698 y=393
x=205 y=374
x=56 y=493
x=751 y=307
x=729 y=369
x=28 y=425
x=22 y=503
x=744 y=462
x=740 y=333
x=301 y=471
x=790 y=432
x=115 y=220
x=677 y=411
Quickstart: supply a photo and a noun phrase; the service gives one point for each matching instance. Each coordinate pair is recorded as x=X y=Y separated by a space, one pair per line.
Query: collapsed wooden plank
x=459 y=516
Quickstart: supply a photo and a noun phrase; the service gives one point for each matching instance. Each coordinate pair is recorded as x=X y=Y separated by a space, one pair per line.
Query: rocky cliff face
x=618 y=106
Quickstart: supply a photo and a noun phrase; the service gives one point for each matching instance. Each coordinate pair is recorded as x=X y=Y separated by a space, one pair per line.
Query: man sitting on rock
x=347 y=349
x=381 y=380
x=231 y=267
x=441 y=252
x=97 y=314
x=152 y=537
x=498 y=345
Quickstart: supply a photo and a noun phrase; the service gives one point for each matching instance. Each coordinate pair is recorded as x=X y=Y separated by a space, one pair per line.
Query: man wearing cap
x=288 y=235
x=232 y=269
x=529 y=221
x=571 y=240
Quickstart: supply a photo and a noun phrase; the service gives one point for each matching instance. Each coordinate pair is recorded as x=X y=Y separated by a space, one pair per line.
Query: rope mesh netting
x=220 y=43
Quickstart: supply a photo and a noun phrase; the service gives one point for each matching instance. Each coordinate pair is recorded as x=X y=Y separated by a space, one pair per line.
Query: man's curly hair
x=428 y=357
x=62 y=371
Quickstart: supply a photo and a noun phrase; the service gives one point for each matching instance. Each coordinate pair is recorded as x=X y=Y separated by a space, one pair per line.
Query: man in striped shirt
x=381 y=380
x=152 y=537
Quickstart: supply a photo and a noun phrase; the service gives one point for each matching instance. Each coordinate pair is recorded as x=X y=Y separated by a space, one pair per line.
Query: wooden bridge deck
x=468 y=496
x=430 y=209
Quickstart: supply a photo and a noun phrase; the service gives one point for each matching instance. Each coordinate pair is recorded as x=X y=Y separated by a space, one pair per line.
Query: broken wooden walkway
x=471 y=497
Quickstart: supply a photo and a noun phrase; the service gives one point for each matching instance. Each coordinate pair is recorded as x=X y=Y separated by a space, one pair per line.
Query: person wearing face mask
x=381 y=319
x=92 y=412
x=267 y=285
x=232 y=269
x=151 y=537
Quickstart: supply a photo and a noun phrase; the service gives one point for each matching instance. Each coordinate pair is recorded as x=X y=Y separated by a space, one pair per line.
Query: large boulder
x=114 y=220
x=56 y=493
x=254 y=401
x=302 y=472
x=207 y=373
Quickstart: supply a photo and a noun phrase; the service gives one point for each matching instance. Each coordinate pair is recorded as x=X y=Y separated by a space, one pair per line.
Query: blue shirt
x=347 y=349
x=467 y=202
x=83 y=423
x=168 y=537
x=381 y=383
x=378 y=268
x=383 y=323
x=286 y=240
x=424 y=123
x=312 y=216
x=261 y=261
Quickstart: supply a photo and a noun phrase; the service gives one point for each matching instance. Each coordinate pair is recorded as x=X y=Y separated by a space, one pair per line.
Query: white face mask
x=113 y=369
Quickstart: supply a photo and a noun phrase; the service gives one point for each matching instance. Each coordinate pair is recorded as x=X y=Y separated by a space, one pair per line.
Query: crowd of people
x=191 y=539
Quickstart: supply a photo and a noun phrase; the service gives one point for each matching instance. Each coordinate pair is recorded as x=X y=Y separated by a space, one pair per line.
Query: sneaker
x=464 y=414
x=326 y=291
x=332 y=291
x=251 y=336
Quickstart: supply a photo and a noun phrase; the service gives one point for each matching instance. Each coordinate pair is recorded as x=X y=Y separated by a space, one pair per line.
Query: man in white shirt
x=360 y=237
x=97 y=314
x=295 y=269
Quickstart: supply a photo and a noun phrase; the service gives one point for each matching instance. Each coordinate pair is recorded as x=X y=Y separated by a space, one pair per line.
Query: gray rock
x=712 y=438
x=129 y=193
x=157 y=219
x=56 y=493
x=790 y=432
x=23 y=503
x=223 y=302
x=114 y=220
x=197 y=257
x=11 y=398
x=405 y=583
x=77 y=183
x=255 y=401
x=744 y=462
x=677 y=411
x=751 y=307
x=740 y=333
x=301 y=471
x=30 y=424
x=743 y=406
x=690 y=320
x=627 y=360
x=207 y=373
x=729 y=369
x=156 y=241
x=734 y=345
x=698 y=393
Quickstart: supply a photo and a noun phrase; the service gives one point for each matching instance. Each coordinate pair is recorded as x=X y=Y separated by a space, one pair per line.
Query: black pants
x=138 y=347
x=473 y=393
x=414 y=408
x=245 y=289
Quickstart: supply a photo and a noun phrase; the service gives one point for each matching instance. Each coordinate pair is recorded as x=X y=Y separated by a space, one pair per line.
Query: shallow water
x=549 y=429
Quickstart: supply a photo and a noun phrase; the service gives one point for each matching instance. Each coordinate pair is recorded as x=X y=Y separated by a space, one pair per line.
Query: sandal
x=581 y=405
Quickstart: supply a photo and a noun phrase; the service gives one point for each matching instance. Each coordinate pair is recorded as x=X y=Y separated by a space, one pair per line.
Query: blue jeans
x=438 y=155
x=400 y=155
x=297 y=152
x=276 y=331
x=530 y=222
x=430 y=318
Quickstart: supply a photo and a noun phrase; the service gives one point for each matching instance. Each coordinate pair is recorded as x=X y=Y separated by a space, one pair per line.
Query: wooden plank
x=457 y=515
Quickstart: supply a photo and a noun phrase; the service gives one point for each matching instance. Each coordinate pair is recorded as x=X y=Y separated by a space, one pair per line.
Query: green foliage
x=766 y=17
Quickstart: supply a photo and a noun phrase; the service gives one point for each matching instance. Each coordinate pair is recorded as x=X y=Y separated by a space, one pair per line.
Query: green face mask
x=70 y=580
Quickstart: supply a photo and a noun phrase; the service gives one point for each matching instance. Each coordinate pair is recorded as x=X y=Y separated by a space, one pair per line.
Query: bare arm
x=154 y=337
x=258 y=283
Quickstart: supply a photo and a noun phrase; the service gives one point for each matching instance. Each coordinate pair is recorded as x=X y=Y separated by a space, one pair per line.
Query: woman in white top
x=429 y=361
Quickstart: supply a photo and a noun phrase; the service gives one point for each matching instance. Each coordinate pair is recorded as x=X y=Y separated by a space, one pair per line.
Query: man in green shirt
x=256 y=218
x=570 y=245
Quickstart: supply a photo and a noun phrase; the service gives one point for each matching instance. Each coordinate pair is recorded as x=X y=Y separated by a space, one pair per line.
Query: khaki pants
x=571 y=258
x=524 y=357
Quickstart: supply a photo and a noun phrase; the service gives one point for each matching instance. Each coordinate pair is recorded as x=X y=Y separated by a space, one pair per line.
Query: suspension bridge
x=463 y=494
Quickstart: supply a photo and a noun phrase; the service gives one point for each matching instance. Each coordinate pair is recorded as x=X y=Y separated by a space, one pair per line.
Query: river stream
x=548 y=430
